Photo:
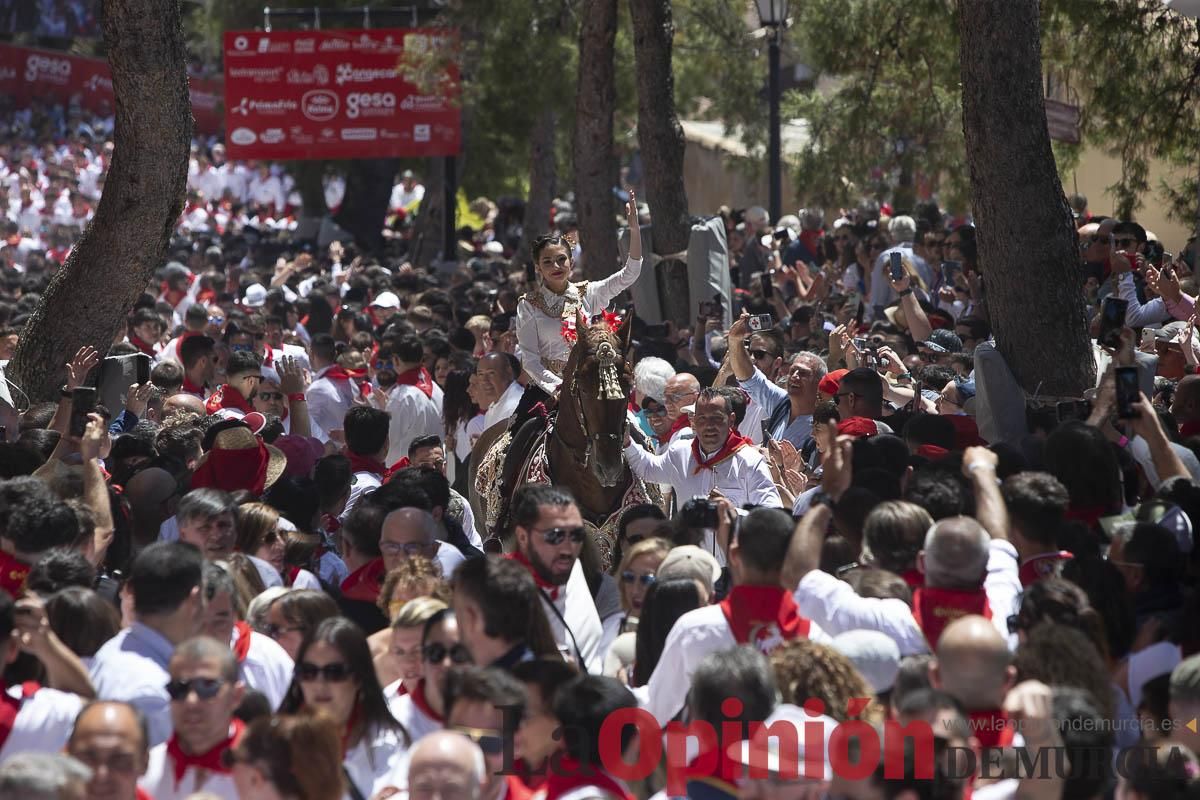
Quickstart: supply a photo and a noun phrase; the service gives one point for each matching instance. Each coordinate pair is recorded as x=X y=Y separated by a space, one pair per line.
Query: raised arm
x=979 y=466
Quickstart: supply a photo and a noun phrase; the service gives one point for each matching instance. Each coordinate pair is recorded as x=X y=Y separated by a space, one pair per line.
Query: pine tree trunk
x=543 y=175
x=88 y=300
x=369 y=183
x=660 y=138
x=1026 y=237
x=595 y=159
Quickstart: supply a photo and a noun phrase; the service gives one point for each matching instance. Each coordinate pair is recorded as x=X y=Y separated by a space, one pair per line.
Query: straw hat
x=239 y=460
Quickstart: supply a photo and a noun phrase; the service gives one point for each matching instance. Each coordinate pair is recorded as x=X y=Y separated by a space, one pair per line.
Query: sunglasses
x=436 y=653
x=333 y=673
x=631 y=578
x=661 y=411
x=269 y=396
x=205 y=688
x=275 y=631
x=759 y=355
x=490 y=742
x=556 y=536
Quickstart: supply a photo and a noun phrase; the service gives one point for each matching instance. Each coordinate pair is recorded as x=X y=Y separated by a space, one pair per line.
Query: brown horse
x=584 y=450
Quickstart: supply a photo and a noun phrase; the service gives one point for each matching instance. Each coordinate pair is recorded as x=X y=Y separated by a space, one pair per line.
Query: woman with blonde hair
x=289 y=758
x=415 y=577
x=806 y=670
x=399 y=666
x=635 y=575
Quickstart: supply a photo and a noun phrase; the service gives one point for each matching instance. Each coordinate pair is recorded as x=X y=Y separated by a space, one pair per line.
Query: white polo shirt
x=132 y=667
x=43 y=723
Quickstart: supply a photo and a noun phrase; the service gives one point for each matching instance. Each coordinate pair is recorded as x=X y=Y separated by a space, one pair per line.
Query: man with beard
x=550 y=534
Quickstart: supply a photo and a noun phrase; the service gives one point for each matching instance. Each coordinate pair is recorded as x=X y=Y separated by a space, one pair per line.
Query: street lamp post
x=772 y=14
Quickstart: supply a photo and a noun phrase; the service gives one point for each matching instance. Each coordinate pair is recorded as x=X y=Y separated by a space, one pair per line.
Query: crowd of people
x=265 y=572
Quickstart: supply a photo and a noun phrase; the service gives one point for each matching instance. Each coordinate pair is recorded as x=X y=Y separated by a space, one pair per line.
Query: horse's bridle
x=607 y=357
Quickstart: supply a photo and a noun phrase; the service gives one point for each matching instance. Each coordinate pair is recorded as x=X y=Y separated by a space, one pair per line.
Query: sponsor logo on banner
x=98 y=82
x=265 y=45
x=370 y=104
x=257 y=74
x=319 y=75
x=421 y=133
x=47 y=68
x=319 y=105
x=348 y=73
x=243 y=136
x=264 y=107
x=360 y=134
x=305 y=45
x=272 y=136
x=334 y=46
x=423 y=102
x=241 y=43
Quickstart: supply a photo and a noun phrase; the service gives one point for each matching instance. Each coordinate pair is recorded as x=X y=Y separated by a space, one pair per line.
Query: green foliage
x=888 y=110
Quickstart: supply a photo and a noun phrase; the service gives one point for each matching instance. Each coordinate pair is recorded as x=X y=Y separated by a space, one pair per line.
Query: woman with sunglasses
x=335 y=677
x=635 y=575
x=423 y=710
x=295 y=614
x=288 y=758
x=400 y=673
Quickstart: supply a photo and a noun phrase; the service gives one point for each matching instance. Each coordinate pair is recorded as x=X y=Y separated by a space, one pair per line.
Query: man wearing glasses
x=413 y=532
x=788 y=412
x=110 y=737
x=204 y=690
x=486 y=705
x=549 y=536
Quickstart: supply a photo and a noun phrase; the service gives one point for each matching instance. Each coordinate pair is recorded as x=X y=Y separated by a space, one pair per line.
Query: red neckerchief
x=532 y=778
x=241 y=645
x=210 y=760
x=290 y=575
x=268 y=355
x=516 y=789
x=1043 y=565
x=358 y=376
x=1189 y=429
x=542 y=583
x=418 y=377
x=191 y=388
x=932 y=452
x=174 y=296
x=934 y=609
x=227 y=396
x=679 y=424
x=568 y=775
x=992 y=728
x=914 y=578
x=365 y=582
x=763 y=616
x=359 y=463
x=733 y=442
x=422 y=704
x=11 y=706
x=331 y=523
x=141 y=794
x=12 y=574
x=141 y=345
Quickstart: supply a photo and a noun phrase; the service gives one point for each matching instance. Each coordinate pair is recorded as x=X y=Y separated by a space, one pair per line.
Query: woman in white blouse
x=546 y=315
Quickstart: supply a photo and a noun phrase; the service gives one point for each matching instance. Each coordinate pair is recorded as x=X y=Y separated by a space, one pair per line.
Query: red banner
x=341 y=94
x=28 y=74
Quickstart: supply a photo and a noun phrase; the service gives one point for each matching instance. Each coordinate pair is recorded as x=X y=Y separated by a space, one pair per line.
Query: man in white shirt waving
x=718 y=461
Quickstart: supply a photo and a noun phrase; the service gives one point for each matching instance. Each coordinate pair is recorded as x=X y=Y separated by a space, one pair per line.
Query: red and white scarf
x=418 y=377
x=227 y=396
x=763 y=616
x=733 y=442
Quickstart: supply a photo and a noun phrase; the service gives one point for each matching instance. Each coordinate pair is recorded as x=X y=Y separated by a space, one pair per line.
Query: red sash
x=568 y=775
x=679 y=424
x=542 y=583
x=12 y=574
x=210 y=760
x=141 y=345
x=934 y=609
x=11 y=706
x=1044 y=565
x=227 y=397
x=733 y=442
x=367 y=464
x=914 y=578
x=418 y=698
x=365 y=582
x=764 y=616
x=418 y=377
x=241 y=645
x=992 y=728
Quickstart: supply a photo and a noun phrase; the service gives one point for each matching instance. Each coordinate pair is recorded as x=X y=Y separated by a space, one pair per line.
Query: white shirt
x=328 y=401
x=403 y=198
x=415 y=720
x=159 y=780
x=413 y=415
x=132 y=666
x=449 y=557
x=540 y=336
x=267 y=668
x=833 y=605
x=696 y=635
x=576 y=607
x=364 y=483
x=505 y=406
x=373 y=760
x=43 y=723
x=742 y=477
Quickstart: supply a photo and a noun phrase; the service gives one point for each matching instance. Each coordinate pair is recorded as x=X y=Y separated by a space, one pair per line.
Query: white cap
x=386 y=300
x=875 y=655
x=764 y=749
x=256 y=296
x=493 y=249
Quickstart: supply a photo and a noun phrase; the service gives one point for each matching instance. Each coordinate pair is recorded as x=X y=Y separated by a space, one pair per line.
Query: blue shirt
x=774 y=400
x=132 y=666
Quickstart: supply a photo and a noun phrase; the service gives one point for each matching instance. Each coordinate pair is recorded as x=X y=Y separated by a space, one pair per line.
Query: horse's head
x=600 y=381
